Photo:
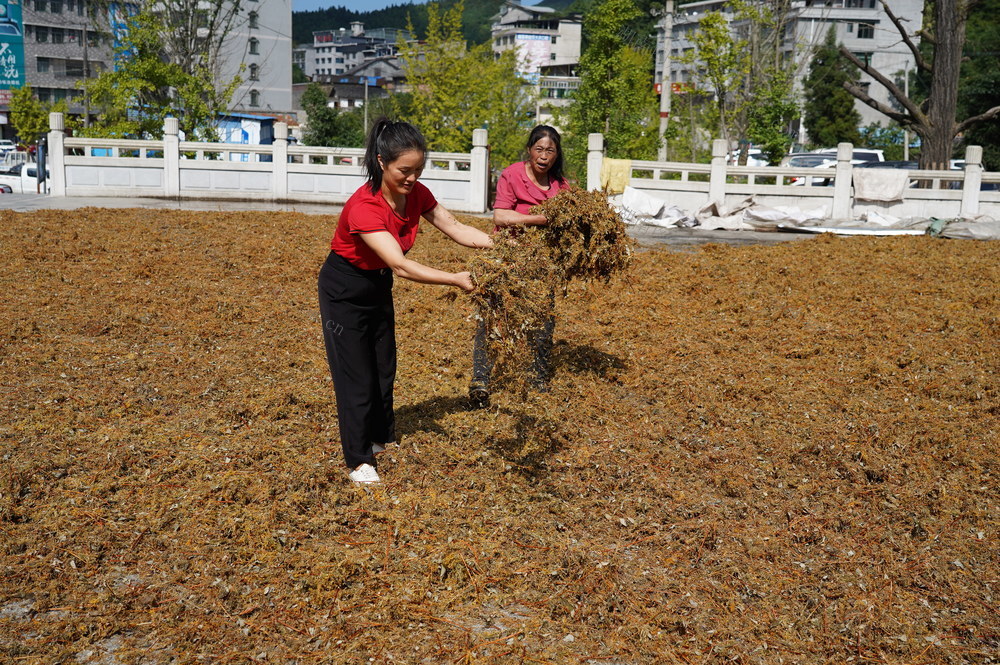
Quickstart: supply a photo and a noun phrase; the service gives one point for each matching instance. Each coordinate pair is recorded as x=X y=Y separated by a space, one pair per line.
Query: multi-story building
x=861 y=25
x=548 y=51
x=259 y=48
x=546 y=42
x=63 y=43
x=334 y=53
x=67 y=41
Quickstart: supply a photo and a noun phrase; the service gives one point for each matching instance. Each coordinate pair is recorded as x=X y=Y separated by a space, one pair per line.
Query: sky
x=359 y=5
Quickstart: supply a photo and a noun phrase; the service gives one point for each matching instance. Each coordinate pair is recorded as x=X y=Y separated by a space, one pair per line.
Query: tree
x=933 y=119
x=133 y=99
x=722 y=62
x=829 y=115
x=328 y=126
x=457 y=90
x=616 y=96
x=979 y=87
x=887 y=139
x=766 y=105
x=30 y=117
x=768 y=115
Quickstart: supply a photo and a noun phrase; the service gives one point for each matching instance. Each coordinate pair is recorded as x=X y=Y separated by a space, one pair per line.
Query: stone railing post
x=57 y=154
x=973 y=180
x=595 y=160
x=279 y=161
x=479 y=171
x=171 y=158
x=717 y=176
x=842 y=185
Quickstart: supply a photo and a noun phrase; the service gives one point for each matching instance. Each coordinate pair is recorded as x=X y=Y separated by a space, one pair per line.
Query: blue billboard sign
x=11 y=45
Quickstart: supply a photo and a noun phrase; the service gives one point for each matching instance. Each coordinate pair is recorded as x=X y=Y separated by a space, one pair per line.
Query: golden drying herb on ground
x=587 y=237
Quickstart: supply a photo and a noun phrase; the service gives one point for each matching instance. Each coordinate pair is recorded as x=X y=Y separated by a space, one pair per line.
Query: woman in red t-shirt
x=521 y=186
x=377 y=226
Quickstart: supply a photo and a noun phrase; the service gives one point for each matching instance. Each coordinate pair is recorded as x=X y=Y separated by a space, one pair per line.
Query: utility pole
x=906 y=93
x=86 y=80
x=668 y=29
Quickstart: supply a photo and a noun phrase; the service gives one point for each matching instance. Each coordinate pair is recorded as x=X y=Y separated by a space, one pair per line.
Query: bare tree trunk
x=949 y=32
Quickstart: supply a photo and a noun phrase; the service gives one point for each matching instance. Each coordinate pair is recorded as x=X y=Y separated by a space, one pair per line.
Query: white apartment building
x=545 y=41
x=548 y=46
x=259 y=49
x=335 y=53
x=861 y=25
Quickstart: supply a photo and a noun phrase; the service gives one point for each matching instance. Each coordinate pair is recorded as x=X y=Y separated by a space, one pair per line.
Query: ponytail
x=388 y=139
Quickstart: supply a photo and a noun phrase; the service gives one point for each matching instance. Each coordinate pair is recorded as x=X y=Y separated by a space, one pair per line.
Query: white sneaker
x=365 y=473
x=380 y=447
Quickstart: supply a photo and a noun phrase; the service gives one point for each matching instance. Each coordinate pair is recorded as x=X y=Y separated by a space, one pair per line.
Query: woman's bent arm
x=387 y=249
x=463 y=234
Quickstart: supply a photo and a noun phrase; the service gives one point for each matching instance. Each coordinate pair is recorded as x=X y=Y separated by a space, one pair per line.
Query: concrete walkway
x=679 y=239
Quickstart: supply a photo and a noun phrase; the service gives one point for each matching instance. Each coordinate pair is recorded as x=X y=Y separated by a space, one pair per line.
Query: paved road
x=680 y=239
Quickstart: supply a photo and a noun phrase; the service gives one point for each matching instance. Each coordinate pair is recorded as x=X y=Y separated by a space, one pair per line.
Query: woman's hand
x=463 y=280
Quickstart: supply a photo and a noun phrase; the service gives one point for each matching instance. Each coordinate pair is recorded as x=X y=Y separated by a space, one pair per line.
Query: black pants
x=359 y=331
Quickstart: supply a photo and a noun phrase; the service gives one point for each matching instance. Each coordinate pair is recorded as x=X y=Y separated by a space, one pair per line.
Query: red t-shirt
x=516 y=192
x=365 y=212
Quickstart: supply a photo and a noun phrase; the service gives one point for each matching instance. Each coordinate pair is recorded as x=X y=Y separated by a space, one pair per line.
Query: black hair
x=540 y=132
x=388 y=140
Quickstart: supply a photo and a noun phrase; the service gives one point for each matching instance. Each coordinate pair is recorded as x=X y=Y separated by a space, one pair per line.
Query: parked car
x=755 y=157
x=6 y=145
x=858 y=156
x=808 y=160
x=891 y=164
x=21 y=178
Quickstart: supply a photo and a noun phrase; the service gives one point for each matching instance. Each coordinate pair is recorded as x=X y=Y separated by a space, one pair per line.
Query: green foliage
x=687 y=132
x=298 y=76
x=723 y=62
x=616 y=96
x=132 y=100
x=979 y=86
x=829 y=115
x=328 y=126
x=456 y=90
x=889 y=139
x=28 y=115
x=768 y=116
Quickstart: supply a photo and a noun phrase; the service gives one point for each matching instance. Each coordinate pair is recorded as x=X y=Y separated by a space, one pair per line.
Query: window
x=40 y=5
x=58 y=35
x=254 y=46
x=254 y=72
x=850 y=28
x=41 y=34
x=254 y=98
x=42 y=65
x=252 y=20
x=864 y=56
x=866 y=31
x=55 y=6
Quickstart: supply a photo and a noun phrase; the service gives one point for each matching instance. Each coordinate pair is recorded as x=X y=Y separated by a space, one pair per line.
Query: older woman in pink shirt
x=521 y=186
